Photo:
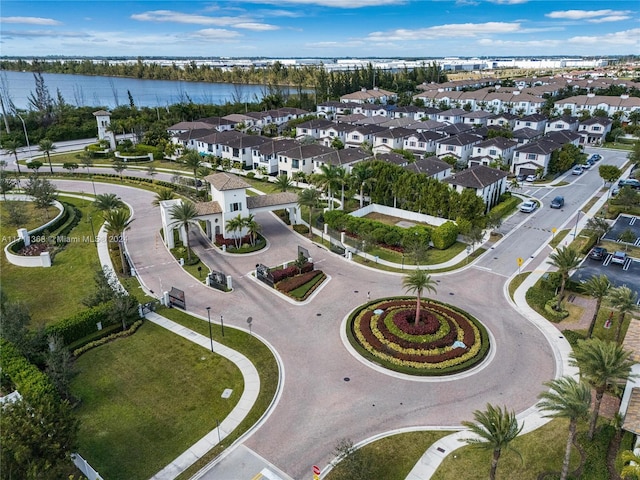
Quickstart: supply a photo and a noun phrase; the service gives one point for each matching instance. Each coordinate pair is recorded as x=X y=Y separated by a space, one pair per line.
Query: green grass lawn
x=148 y=397
x=52 y=294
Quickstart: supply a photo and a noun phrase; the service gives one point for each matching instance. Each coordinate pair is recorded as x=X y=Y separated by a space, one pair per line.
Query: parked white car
x=528 y=206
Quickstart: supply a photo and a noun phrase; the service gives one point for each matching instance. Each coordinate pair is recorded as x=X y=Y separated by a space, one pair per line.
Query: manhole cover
x=227 y=393
x=346 y=379
x=318 y=314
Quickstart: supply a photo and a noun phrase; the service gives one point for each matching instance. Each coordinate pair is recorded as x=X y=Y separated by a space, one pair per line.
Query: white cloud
x=31 y=20
x=335 y=44
x=512 y=44
x=585 y=14
x=216 y=34
x=509 y=2
x=451 y=30
x=624 y=38
x=191 y=19
x=40 y=33
x=611 y=18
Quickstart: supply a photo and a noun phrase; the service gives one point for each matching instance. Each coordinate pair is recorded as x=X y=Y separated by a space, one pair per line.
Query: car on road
x=531 y=178
x=528 y=206
x=577 y=170
x=594 y=158
x=557 y=202
x=587 y=165
x=619 y=258
x=598 y=253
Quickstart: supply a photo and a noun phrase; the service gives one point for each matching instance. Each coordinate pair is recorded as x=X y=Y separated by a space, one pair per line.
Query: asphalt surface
x=327 y=393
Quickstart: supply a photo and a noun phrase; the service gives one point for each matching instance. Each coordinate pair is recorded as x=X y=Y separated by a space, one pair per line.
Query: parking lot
x=626 y=274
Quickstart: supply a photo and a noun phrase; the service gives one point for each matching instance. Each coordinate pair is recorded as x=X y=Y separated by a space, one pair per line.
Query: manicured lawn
x=57 y=292
x=147 y=398
x=394 y=457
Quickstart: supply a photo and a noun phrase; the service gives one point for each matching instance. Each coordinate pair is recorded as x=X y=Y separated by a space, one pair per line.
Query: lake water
x=83 y=90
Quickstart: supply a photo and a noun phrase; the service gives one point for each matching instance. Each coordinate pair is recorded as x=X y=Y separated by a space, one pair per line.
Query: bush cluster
x=445 y=235
x=291 y=283
x=85 y=348
x=282 y=273
x=82 y=324
x=28 y=379
x=505 y=207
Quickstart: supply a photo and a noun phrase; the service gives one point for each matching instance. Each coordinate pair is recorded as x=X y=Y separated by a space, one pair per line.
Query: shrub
x=29 y=381
x=106 y=339
x=82 y=324
x=444 y=236
x=291 y=283
x=505 y=206
x=302 y=229
x=282 y=273
x=572 y=337
x=552 y=314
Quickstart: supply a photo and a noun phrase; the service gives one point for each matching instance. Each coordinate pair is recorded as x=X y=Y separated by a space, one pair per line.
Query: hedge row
x=61 y=226
x=282 y=273
x=82 y=324
x=291 y=283
x=106 y=339
x=505 y=207
x=29 y=381
x=445 y=235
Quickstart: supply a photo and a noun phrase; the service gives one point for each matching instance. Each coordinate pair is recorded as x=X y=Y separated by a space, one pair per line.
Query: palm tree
x=117 y=221
x=418 y=281
x=567 y=398
x=234 y=225
x=107 y=201
x=625 y=301
x=602 y=364
x=12 y=147
x=564 y=259
x=598 y=288
x=309 y=198
x=342 y=179
x=46 y=146
x=185 y=214
x=193 y=160
x=327 y=178
x=299 y=176
x=162 y=195
x=283 y=183
x=495 y=429
x=253 y=227
x=632 y=464
x=362 y=177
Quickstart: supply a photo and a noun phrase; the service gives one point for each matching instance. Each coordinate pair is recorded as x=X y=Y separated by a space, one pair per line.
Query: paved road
x=328 y=394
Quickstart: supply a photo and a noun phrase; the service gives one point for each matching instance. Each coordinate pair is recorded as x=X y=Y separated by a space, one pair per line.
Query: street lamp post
x=24 y=127
x=222 y=324
x=210 y=334
x=575 y=230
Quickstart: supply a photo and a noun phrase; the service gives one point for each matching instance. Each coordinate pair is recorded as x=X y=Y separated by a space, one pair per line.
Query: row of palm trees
x=45 y=146
x=623 y=299
x=602 y=365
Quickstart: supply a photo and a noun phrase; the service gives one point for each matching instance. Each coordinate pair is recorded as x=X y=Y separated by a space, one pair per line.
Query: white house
x=459 y=146
x=488 y=183
x=390 y=139
x=497 y=149
x=594 y=130
x=566 y=122
x=300 y=159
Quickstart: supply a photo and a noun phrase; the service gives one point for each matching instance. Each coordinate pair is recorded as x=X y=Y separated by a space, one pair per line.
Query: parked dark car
x=557 y=202
x=598 y=253
x=629 y=182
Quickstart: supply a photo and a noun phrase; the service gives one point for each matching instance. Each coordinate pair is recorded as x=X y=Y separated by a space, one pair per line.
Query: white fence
x=84 y=467
x=397 y=212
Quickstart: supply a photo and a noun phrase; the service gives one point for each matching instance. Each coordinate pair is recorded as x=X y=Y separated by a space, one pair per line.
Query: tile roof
x=272 y=200
x=428 y=166
x=476 y=177
x=632 y=417
x=208 y=208
x=226 y=181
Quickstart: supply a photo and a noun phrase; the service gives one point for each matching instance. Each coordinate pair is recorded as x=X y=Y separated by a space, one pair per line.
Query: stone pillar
x=326 y=228
x=45 y=258
x=23 y=233
x=229 y=282
x=168 y=237
x=342 y=234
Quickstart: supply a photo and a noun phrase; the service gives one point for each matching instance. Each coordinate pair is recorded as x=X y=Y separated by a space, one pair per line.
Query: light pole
x=24 y=127
x=222 y=324
x=210 y=334
x=575 y=230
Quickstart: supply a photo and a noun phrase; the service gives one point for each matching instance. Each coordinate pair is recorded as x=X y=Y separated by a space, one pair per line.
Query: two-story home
x=534 y=121
x=345 y=158
x=493 y=150
x=335 y=131
x=300 y=159
x=312 y=128
x=566 y=122
x=362 y=133
x=459 y=146
x=373 y=110
x=503 y=119
x=488 y=183
x=212 y=143
x=477 y=118
x=526 y=135
x=529 y=158
x=431 y=167
x=390 y=139
x=266 y=155
x=453 y=115
x=375 y=95
x=240 y=149
x=594 y=130
x=422 y=144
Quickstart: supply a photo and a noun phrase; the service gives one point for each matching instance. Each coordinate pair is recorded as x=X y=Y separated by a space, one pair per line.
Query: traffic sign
x=520 y=261
x=554 y=230
x=316 y=470
x=316 y=477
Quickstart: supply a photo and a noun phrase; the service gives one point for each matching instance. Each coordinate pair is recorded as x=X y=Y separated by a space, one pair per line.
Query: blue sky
x=320 y=28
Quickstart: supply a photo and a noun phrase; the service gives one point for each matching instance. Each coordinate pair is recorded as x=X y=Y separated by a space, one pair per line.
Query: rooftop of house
x=479 y=176
x=226 y=181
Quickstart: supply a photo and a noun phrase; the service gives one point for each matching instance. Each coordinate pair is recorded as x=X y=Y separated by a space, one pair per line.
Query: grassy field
x=53 y=293
x=148 y=397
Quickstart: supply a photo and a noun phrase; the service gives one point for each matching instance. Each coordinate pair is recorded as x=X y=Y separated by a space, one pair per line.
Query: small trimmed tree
x=418 y=281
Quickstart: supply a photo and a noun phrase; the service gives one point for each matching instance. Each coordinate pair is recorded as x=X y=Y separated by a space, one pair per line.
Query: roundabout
x=446 y=340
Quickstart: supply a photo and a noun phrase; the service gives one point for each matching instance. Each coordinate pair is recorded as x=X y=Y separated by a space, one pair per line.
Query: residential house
x=345 y=158
x=526 y=135
x=535 y=121
x=312 y=128
x=488 y=183
x=266 y=155
x=477 y=118
x=375 y=95
x=566 y=122
x=493 y=150
x=334 y=131
x=453 y=115
x=392 y=157
x=390 y=139
x=213 y=143
x=534 y=156
x=594 y=130
x=503 y=119
x=459 y=146
x=431 y=167
x=426 y=125
x=300 y=159
x=240 y=149
x=371 y=110
x=455 y=129
x=592 y=102
x=362 y=133
x=422 y=143
x=183 y=127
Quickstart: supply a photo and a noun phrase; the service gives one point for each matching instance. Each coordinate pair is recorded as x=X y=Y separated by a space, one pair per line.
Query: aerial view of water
x=110 y=92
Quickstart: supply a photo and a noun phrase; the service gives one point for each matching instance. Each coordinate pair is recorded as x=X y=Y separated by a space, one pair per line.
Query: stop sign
x=316 y=470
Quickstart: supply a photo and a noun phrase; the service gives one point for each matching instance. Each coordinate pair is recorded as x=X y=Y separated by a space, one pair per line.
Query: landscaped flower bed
x=445 y=341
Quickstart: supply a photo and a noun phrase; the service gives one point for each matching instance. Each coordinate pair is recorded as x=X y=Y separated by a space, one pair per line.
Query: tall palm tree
x=283 y=183
x=362 y=177
x=602 y=364
x=12 y=147
x=235 y=225
x=117 y=221
x=46 y=146
x=625 y=301
x=496 y=428
x=299 y=176
x=418 y=281
x=597 y=287
x=253 y=227
x=184 y=215
x=193 y=160
x=162 y=195
x=309 y=198
x=564 y=259
x=107 y=201
x=327 y=178
x=567 y=398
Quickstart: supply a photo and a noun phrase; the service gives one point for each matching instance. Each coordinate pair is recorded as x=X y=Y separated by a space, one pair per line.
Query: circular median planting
x=445 y=340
